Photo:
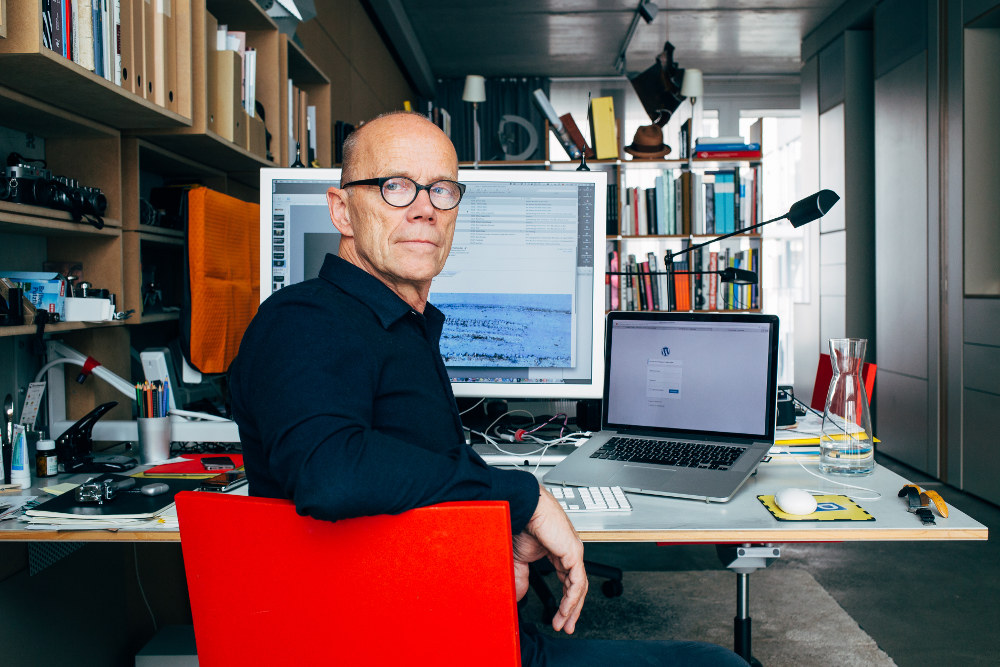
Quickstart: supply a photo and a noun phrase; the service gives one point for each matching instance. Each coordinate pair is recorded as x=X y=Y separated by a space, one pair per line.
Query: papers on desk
x=129 y=510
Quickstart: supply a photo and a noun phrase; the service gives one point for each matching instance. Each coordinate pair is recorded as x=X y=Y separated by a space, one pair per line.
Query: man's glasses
x=401 y=191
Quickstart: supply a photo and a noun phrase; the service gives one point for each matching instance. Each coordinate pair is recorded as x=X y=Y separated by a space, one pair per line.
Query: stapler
x=75 y=447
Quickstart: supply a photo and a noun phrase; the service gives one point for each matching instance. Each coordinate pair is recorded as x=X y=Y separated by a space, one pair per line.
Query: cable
x=474 y=406
x=138 y=579
x=878 y=495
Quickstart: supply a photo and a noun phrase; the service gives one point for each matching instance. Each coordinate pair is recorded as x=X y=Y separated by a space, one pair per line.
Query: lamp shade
x=475 y=89
x=693 y=86
x=812 y=207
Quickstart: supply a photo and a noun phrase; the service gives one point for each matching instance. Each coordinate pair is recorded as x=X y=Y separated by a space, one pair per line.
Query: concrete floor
x=930 y=603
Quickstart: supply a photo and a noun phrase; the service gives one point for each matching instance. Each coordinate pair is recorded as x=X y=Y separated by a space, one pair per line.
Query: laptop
x=689 y=405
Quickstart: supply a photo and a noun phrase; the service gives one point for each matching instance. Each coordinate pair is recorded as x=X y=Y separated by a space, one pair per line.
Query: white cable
x=473 y=407
x=878 y=495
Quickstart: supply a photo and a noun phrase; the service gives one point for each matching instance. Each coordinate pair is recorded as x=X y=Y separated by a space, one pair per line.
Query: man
x=344 y=404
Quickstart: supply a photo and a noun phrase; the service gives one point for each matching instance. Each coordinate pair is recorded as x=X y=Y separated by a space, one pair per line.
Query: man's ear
x=336 y=200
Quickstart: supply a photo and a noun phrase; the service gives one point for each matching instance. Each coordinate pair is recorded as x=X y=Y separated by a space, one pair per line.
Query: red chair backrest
x=432 y=586
x=824 y=373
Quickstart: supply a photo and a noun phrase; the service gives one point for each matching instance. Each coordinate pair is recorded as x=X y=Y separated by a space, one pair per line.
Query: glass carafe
x=847 y=444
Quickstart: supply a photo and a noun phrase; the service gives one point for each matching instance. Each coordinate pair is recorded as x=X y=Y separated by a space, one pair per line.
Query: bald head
x=403 y=246
x=362 y=147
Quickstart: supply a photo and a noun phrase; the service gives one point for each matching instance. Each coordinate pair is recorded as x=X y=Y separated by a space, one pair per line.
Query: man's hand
x=549 y=533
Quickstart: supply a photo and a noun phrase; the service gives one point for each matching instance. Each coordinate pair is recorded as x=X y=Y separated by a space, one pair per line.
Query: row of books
x=643 y=284
x=86 y=32
x=236 y=40
x=686 y=202
x=301 y=128
x=132 y=43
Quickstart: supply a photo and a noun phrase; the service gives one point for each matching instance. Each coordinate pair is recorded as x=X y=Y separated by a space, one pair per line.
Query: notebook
x=705 y=381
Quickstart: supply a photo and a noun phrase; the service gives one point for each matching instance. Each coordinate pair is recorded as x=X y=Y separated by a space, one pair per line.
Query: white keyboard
x=591 y=498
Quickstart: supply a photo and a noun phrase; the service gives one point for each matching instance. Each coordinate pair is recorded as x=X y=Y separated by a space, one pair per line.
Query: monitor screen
x=523 y=287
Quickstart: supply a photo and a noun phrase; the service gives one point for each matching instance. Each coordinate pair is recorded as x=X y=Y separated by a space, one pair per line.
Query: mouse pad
x=829 y=508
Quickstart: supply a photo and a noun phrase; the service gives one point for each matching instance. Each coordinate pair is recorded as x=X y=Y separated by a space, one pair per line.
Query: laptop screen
x=690 y=372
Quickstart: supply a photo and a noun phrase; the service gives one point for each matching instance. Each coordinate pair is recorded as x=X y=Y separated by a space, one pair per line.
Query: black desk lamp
x=805 y=210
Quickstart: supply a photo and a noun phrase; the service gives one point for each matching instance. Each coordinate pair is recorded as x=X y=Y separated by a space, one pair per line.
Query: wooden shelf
x=301 y=68
x=152 y=318
x=60 y=327
x=629 y=237
x=213 y=151
x=60 y=82
x=25 y=219
x=240 y=14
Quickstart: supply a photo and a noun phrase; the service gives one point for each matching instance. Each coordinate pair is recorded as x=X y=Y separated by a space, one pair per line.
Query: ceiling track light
x=647 y=10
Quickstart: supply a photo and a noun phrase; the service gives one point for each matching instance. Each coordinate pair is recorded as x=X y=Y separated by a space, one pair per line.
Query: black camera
x=27 y=184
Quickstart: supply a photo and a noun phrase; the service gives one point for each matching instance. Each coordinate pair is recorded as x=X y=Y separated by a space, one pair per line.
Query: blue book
x=726 y=147
x=661 y=206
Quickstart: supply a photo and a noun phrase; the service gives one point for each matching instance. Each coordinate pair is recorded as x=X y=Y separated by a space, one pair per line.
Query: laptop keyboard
x=591 y=498
x=668 y=452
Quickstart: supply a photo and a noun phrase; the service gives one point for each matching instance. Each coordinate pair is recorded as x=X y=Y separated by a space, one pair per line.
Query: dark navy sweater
x=344 y=405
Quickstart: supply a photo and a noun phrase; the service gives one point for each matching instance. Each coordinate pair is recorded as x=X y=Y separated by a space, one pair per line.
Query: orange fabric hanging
x=223 y=256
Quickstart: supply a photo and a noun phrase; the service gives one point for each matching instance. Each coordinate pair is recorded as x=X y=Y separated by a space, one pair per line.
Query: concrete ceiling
x=562 y=38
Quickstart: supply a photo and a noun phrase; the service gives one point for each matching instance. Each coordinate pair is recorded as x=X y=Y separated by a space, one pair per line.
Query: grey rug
x=795 y=621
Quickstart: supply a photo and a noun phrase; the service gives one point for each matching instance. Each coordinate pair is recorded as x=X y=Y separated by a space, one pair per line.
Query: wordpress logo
x=665 y=351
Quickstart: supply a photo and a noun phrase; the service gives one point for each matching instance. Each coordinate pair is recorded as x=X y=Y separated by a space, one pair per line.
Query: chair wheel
x=612 y=588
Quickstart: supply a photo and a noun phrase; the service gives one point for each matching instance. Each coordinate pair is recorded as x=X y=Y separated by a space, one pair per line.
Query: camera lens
x=43 y=192
x=94 y=201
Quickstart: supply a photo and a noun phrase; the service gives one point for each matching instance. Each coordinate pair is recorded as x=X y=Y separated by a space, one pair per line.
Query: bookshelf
x=669 y=205
x=125 y=143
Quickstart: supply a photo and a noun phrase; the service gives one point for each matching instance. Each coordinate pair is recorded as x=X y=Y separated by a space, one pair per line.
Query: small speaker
x=588 y=415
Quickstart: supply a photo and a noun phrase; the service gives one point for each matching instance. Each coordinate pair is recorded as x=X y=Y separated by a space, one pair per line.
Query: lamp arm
x=685 y=251
x=70 y=356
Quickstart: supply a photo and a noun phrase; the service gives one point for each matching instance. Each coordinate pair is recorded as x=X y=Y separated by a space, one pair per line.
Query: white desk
x=744 y=523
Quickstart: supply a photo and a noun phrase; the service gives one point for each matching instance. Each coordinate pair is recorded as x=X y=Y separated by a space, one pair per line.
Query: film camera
x=27 y=184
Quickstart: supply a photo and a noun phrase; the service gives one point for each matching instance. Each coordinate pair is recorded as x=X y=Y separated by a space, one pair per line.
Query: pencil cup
x=154 y=439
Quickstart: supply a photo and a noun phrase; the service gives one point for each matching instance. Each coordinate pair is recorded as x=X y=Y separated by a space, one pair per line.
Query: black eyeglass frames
x=400 y=191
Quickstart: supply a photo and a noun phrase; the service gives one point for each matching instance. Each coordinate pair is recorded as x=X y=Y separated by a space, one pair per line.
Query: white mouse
x=795 y=501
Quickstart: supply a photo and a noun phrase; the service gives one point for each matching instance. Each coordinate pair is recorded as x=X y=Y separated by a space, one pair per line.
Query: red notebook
x=191 y=467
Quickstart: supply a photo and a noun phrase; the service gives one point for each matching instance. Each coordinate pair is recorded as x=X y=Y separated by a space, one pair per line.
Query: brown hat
x=648 y=143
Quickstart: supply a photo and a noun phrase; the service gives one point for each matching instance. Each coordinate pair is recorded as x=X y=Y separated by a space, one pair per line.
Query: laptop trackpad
x=640 y=477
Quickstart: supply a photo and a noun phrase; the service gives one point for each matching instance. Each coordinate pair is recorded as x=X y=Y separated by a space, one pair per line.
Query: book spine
x=653 y=286
x=713 y=280
x=726 y=147
x=728 y=155
x=615 y=279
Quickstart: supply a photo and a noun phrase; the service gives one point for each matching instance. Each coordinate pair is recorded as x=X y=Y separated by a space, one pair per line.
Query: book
x=728 y=155
x=603 y=128
x=713 y=280
x=575 y=134
x=615 y=280
x=715 y=146
x=129 y=504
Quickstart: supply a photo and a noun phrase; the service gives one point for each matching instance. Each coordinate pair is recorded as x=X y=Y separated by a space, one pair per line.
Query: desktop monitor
x=522 y=289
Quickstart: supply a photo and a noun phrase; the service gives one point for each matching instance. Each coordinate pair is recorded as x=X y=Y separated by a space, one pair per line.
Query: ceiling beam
x=398 y=29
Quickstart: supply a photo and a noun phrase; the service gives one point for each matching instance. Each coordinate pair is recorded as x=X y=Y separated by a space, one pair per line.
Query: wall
x=364 y=77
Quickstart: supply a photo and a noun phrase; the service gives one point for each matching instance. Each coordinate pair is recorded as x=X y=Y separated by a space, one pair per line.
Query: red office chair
x=824 y=373
x=269 y=587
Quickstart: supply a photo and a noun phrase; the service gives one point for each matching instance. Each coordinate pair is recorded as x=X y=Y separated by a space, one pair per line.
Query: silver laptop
x=689 y=405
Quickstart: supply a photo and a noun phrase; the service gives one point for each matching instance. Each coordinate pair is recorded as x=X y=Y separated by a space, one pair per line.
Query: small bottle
x=45 y=459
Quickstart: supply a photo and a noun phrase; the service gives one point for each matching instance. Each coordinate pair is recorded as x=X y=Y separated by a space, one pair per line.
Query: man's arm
x=550 y=534
x=305 y=385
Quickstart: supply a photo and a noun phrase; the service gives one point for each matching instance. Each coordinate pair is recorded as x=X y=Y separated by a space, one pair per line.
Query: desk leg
x=744 y=559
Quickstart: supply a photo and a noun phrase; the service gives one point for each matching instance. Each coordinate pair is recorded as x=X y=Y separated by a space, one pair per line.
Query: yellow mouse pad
x=829 y=508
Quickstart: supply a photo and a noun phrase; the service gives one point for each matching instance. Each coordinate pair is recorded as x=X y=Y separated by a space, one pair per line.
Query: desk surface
x=656 y=519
